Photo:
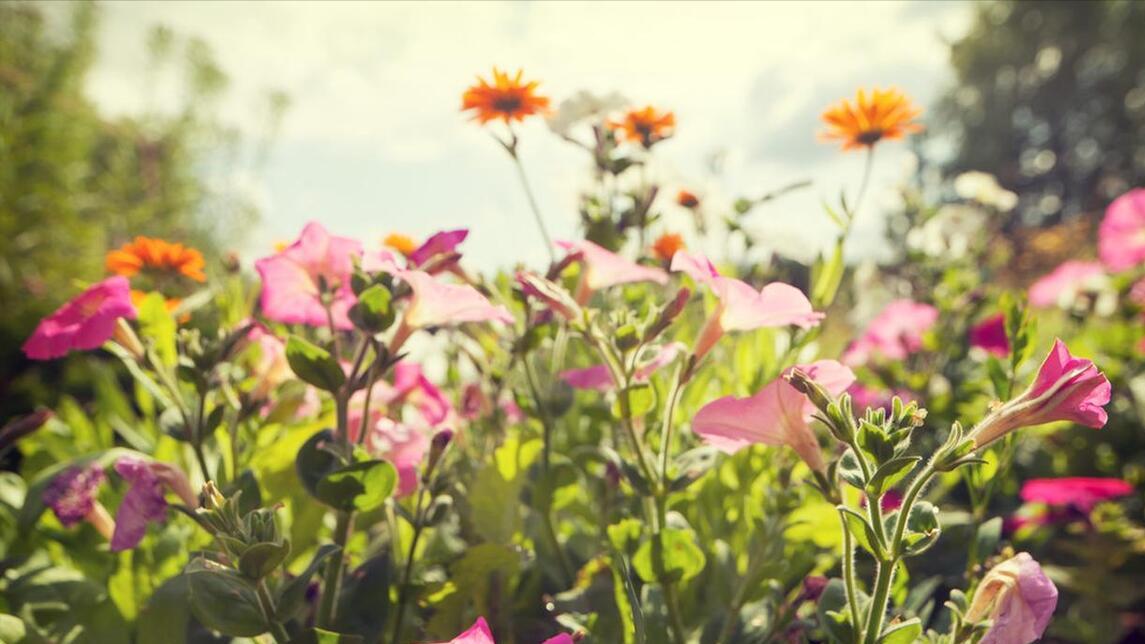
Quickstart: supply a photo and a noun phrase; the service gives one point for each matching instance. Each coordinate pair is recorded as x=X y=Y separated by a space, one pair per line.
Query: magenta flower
x=292 y=279
x=741 y=307
x=84 y=323
x=1019 y=600
x=1064 y=283
x=411 y=385
x=562 y=638
x=990 y=336
x=599 y=378
x=603 y=268
x=71 y=494
x=895 y=333
x=437 y=303
x=1076 y=493
x=441 y=243
x=479 y=633
x=1121 y=237
x=1066 y=388
x=144 y=502
x=777 y=415
x=403 y=446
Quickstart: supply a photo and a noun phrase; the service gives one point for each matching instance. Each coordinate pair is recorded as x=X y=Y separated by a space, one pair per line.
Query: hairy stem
x=269 y=612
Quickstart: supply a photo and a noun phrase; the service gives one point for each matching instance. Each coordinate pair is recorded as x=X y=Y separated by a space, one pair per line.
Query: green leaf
x=362 y=486
x=861 y=530
x=922 y=528
x=157 y=325
x=313 y=364
x=364 y=607
x=165 y=616
x=890 y=473
x=987 y=538
x=373 y=312
x=223 y=600
x=906 y=632
x=627 y=602
x=641 y=400
x=998 y=378
x=691 y=465
x=834 y=614
x=316 y=459
x=12 y=630
x=682 y=558
x=874 y=441
x=625 y=535
x=261 y=559
x=826 y=276
x=851 y=471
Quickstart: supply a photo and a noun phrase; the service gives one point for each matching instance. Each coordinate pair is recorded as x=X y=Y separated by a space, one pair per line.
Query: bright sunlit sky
x=374 y=142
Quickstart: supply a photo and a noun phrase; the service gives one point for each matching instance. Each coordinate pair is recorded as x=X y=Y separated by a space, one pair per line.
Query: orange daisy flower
x=645 y=126
x=169 y=303
x=146 y=253
x=687 y=199
x=883 y=114
x=506 y=98
x=666 y=246
x=404 y=244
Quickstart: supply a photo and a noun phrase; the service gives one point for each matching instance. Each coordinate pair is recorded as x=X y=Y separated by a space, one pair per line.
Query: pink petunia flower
x=145 y=502
x=437 y=303
x=1121 y=237
x=441 y=243
x=562 y=638
x=990 y=336
x=864 y=397
x=777 y=415
x=895 y=333
x=292 y=279
x=741 y=307
x=1066 y=388
x=84 y=323
x=1078 y=493
x=1019 y=600
x=1064 y=283
x=71 y=494
x=604 y=268
x=403 y=446
x=479 y=633
x=599 y=378
x=411 y=385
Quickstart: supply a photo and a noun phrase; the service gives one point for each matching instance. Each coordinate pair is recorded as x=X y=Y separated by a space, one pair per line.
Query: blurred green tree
x=1050 y=98
x=75 y=183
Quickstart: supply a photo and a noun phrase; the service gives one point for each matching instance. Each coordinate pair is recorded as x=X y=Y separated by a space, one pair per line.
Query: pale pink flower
x=1018 y=598
x=1064 y=283
x=1137 y=292
x=479 y=633
x=411 y=385
x=71 y=494
x=599 y=378
x=403 y=446
x=84 y=323
x=603 y=268
x=1121 y=237
x=895 y=333
x=441 y=243
x=990 y=336
x=144 y=502
x=777 y=415
x=437 y=303
x=1080 y=493
x=1066 y=388
x=741 y=307
x=291 y=279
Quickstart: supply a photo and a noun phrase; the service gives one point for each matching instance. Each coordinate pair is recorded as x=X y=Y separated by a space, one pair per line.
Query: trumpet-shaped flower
x=71 y=494
x=437 y=303
x=1121 y=237
x=777 y=415
x=603 y=268
x=292 y=279
x=1018 y=598
x=741 y=307
x=1066 y=388
x=479 y=633
x=1077 y=493
x=895 y=333
x=990 y=336
x=599 y=378
x=145 y=502
x=1064 y=283
x=84 y=323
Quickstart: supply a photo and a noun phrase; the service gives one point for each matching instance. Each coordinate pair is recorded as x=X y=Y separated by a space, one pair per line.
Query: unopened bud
x=813 y=390
x=125 y=337
x=671 y=311
x=210 y=498
x=437 y=447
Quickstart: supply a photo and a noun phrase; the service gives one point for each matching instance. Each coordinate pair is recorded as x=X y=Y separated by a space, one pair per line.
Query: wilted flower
x=895 y=333
x=777 y=415
x=883 y=114
x=506 y=98
x=479 y=633
x=646 y=126
x=687 y=199
x=85 y=322
x=741 y=307
x=1019 y=600
x=584 y=106
x=666 y=246
x=598 y=377
x=145 y=254
x=1121 y=237
x=984 y=189
x=1062 y=285
x=144 y=502
x=1078 y=493
x=1066 y=388
x=603 y=268
x=71 y=494
x=990 y=336
x=293 y=279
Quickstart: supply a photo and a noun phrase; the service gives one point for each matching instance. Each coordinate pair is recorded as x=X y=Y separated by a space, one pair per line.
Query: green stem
x=854 y=208
x=886 y=573
x=332 y=581
x=669 y=423
x=269 y=612
x=407 y=573
x=532 y=199
x=849 y=574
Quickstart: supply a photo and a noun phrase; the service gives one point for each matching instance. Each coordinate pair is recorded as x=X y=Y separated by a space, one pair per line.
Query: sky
x=374 y=141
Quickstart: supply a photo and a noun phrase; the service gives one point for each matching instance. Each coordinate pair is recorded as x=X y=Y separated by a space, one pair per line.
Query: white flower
x=581 y=107
x=984 y=189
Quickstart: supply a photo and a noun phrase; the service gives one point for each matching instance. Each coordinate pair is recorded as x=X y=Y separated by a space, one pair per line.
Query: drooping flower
x=145 y=502
x=84 y=323
x=157 y=256
x=1078 y=493
x=1018 y=598
x=1121 y=237
x=687 y=199
x=990 y=336
x=479 y=633
x=1062 y=285
x=292 y=280
x=895 y=333
x=506 y=98
x=646 y=126
x=741 y=307
x=438 y=244
x=603 y=268
x=599 y=378
x=882 y=114
x=1066 y=388
x=404 y=244
x=71 y=494
x=403 y=446
x=777 y=415
x=666 y=246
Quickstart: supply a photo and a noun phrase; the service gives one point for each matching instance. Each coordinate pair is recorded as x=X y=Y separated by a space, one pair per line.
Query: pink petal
x=437 y=303
x=290 y=278
x=438 y=244
x=403 y=446
x=1067 y=278
x=895 y=333
x=596 y=377
x=778 y=304
x=563 y=638
x=990 y=336
x=144 y=503
x=83 y=323
x=603 y=268
x=698 y=267
x=479 y=633
x=1121 y=237
x=1081 y=390
x=1082 y=493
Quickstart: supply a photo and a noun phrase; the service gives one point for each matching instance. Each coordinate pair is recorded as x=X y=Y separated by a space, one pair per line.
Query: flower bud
x=668 y=315
x=553 y=296
x=125 y=337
